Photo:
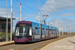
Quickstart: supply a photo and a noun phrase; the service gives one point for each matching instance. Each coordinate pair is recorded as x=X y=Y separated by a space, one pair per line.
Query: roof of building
x=4 y=19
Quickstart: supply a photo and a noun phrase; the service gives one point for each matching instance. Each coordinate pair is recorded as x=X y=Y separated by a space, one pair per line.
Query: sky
x=57 y=10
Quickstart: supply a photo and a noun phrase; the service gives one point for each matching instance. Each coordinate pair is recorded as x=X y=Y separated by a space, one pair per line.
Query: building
x=3 y=24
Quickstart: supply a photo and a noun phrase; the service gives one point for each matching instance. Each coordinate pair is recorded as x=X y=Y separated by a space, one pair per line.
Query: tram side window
x=36 y=31
x=43 y=31
x=46 y=31
x=52 y=31
x=57 y=32
x=49 y=31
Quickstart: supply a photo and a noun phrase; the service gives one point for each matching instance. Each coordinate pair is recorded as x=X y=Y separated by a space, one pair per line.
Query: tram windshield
x=22 y=30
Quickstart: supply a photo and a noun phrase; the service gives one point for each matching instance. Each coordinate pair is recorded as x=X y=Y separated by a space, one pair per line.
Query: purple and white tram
x=27 y=31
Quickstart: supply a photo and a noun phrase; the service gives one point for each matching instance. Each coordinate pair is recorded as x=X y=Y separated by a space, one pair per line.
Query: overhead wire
x=48 y=7
x=26 y=6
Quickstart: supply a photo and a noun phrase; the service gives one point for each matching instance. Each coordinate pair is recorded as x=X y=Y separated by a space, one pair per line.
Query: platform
x=6 y=43
x=64 y=44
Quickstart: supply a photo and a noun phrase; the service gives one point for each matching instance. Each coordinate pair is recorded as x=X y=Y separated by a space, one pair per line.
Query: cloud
x=2 y=12
x=37 y=18
x=68 y=15
x=63 y=15
x=58 y=5
x=69 y=23
x=51 y=18
x=23 y=18
x=29 y=15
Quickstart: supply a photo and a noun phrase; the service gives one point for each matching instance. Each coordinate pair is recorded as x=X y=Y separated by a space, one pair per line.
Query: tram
x=27 y=31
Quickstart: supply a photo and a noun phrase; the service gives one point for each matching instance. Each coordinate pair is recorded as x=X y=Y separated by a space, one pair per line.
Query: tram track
x=12 y=47
x=39 y=44
x=31 y=46
x=43 y=45
x=26 y=46
x=38 y=48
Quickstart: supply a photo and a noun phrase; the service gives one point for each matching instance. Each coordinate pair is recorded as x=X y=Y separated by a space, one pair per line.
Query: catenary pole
x=20 y=13
x=55 y=22
x=7 y=21
x=59 y=28
x=62 y=28
x=11 y=22
x=70 y=29
x=39 y=16
x=47 y=19
x=65 y=28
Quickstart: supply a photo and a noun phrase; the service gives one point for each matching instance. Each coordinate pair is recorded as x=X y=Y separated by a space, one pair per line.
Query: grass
x=73 y=33
x=3 y=35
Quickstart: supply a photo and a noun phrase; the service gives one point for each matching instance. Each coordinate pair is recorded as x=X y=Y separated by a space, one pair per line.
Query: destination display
x=22 y=24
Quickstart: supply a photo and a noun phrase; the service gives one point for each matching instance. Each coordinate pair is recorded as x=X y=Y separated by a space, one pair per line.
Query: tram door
x=52 y=33
x=33 y=34
x=57 y=33
x=37 y=36
x=49 y=33
x=43 y=33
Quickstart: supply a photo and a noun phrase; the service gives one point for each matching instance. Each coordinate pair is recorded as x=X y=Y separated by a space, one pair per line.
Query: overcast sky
x=58 y=10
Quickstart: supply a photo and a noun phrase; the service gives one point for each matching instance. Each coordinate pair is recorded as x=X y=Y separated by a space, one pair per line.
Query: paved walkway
x=64 y=44
x=5 y=43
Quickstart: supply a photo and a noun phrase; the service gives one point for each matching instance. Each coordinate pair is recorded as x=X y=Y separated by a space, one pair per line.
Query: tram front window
x=21 y=31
